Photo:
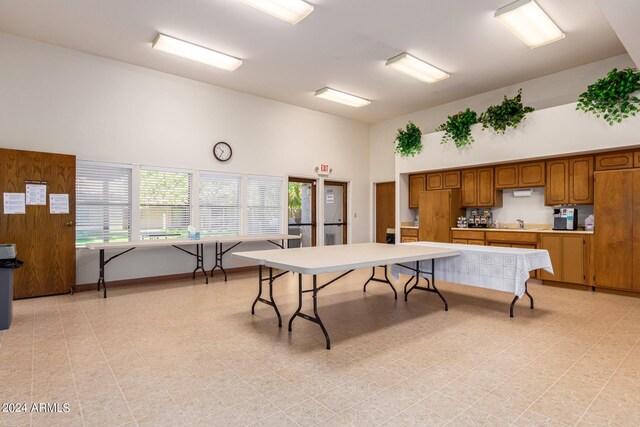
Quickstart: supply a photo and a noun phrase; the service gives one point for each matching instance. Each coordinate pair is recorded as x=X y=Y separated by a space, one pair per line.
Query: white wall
x=59 y=100
x=544 y=92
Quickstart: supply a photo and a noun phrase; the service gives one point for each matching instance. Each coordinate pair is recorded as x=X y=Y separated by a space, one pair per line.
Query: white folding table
x=489 y=267
x=275 y=239
x=331 y=259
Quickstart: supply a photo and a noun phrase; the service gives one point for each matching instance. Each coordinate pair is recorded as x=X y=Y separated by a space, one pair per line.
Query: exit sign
x=323 y=169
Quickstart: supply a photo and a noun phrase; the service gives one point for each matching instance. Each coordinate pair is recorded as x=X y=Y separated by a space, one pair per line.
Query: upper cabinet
x=443 y=180
x=417 y=184
x=520 y=175
x=479 y=189
x=569 y=181
x=612 y=161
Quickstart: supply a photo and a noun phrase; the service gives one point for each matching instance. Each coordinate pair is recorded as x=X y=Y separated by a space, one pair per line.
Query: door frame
x=345 y=209
x=314 y=203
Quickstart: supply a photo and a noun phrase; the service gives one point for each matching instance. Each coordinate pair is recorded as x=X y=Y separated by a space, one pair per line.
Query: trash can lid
x=11 y=263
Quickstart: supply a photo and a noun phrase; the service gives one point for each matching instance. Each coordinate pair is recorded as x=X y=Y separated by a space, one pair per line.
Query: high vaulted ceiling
x=343 y=44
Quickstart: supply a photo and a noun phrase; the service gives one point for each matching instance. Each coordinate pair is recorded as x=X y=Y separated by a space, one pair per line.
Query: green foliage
x=611 y=97
x=295 y=199
x=508 y=114
x=409 y=140
x=457 y=128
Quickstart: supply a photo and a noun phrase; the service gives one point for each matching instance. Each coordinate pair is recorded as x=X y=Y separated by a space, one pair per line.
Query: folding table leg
x=269 y=301
x=385 y=280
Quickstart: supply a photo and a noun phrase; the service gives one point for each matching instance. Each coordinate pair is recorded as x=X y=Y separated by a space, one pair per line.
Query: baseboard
x=166 y=278
x=602 y=289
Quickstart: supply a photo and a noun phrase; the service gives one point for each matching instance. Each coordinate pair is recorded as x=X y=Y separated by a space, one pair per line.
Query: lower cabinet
x=408 y=235
x=569 y=257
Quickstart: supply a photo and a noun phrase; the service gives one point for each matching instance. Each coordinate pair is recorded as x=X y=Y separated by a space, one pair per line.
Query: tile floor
x=186 y=353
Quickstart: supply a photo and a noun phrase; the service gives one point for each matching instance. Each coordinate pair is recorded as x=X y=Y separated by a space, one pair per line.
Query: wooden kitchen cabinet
x=569 y=258
x=408 y=235
x=438 y=212
x=581 y=180
x=615 y=228
x=434 y=181
x=531 y=174
x=450 y=179
x=636 y=159
x=520 y=175
x=569 y=181
x=556 y=191
x=468 y=237
x=443 y=180
x=417 y=184
x=613 y=161
x=501 y=238
x=479 y=190
x=506 y=176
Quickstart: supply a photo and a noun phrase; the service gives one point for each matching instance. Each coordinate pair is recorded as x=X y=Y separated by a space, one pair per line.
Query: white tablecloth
x=490 y=267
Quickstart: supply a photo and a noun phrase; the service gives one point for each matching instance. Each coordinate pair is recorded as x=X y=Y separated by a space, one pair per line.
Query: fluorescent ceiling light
x=412 y=66
x=195 y=52
x=291 y=11
x=529 y=23
x=341 y=97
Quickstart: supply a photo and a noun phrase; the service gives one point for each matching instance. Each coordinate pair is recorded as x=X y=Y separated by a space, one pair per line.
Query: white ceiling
x=342 y=44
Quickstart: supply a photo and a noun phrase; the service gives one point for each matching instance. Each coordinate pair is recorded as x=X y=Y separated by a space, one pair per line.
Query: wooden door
x=553 y=244
x=435 y=214
x=434 y=181
x=385 y=209
x=581 y=180
x=469 y=188
x=451 y=179
x=573 y=259
x=486 y=188
x=44 y=241
x=417 y=184
x=531 y=174
x=611 y=161
x=636 y=230
x=613 y=235
x=556 y=191
x=507 y=176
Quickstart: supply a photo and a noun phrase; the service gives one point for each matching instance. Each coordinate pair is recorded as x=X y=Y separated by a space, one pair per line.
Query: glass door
x=302 y=211
x=335 y=213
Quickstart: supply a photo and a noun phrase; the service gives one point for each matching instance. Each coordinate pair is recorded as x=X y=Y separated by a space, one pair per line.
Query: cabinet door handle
x=69 y=224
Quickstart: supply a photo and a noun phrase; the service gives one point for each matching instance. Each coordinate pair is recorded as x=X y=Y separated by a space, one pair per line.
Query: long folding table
x=489 y=267
x=333 y=259
x=278 y=240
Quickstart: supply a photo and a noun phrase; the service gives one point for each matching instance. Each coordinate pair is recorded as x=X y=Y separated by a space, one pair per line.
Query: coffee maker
x=565 y=219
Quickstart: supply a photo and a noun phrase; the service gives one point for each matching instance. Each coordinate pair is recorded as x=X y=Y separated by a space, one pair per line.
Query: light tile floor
x=186 y=353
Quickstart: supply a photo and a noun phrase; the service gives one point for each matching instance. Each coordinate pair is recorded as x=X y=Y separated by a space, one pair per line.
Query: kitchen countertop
x=531 y=230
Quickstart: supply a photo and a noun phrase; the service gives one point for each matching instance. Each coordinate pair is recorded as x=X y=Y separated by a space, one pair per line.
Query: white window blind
x=219 y=204
x=264 y=205
x=103 y=203
x=165 y=203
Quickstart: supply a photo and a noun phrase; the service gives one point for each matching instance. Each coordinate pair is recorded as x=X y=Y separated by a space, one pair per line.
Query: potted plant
x=409 y=140
x=612 y=97
x=457 y=128
x=506 y=115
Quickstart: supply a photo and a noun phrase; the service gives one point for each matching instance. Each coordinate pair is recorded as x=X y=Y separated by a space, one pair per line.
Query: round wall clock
x=222 y=151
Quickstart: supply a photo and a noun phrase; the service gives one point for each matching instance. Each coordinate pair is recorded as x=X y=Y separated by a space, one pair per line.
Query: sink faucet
x=520 y=223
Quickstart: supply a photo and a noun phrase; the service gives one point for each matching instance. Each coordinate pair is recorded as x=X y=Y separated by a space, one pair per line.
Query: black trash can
x=391 y=236
x=6 y=291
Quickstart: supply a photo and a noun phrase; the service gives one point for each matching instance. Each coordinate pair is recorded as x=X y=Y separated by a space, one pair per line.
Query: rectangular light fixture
x=195 y=52
x=291 y=11
x=414 y=67
x=341 y=97
x=529 y=23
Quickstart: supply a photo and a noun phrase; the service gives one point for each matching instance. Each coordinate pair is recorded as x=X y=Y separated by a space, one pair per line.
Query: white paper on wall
x=14 y=203
x=58 y=204
x=36 y=194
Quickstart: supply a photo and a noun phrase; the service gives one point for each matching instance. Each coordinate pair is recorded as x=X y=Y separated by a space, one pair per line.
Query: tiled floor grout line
x=575 y=362
x=473 y=368
x=73 y=376
x=496 y=355
x=636 y=344
x=93 y=332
